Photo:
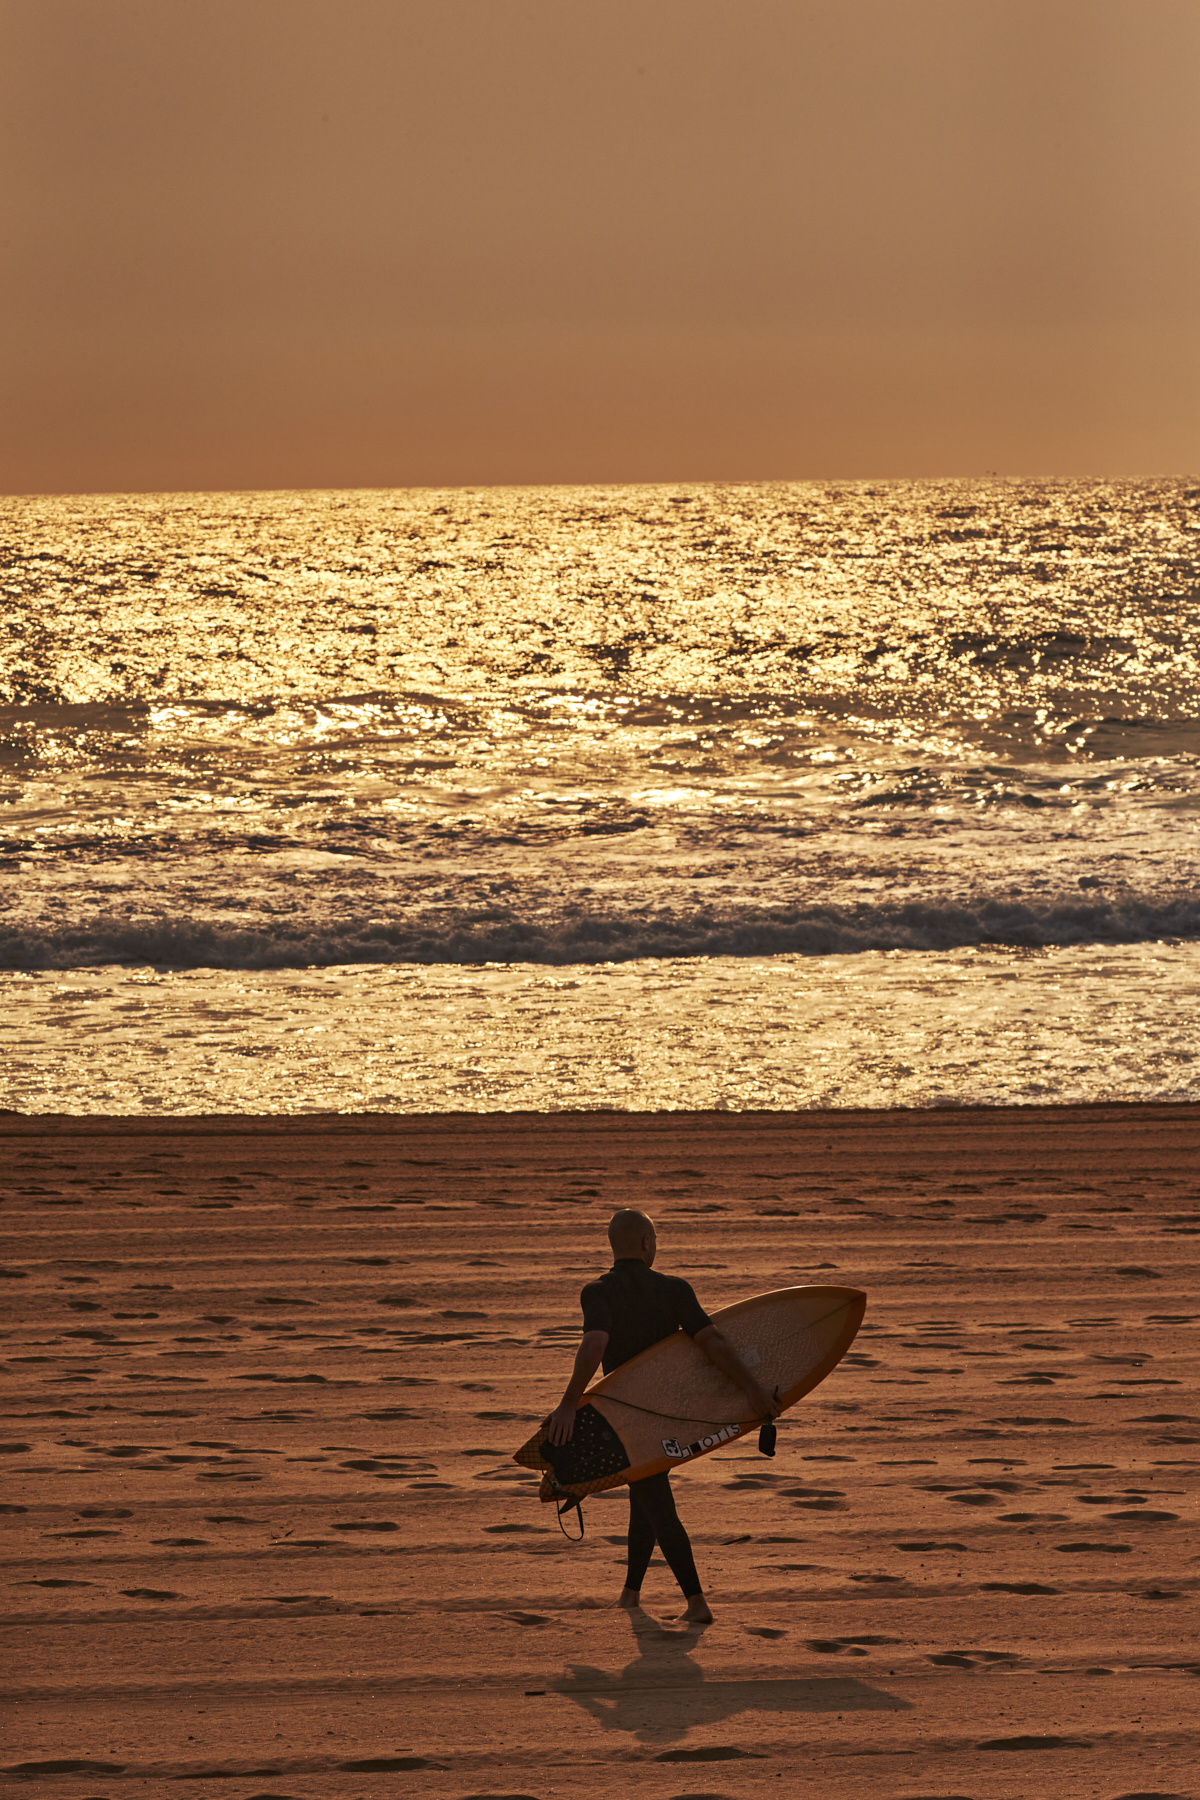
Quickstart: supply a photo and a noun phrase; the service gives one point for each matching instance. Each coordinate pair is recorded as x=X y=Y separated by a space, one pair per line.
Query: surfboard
x=670 y=1405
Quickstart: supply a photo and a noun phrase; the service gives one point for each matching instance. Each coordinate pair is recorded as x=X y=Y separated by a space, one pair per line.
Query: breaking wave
x=466 y=938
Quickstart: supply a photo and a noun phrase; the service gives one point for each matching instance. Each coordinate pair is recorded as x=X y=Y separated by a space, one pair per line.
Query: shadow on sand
x=663 y=1693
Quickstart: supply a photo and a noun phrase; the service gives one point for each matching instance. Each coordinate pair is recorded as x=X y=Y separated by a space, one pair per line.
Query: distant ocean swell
x=465 y=938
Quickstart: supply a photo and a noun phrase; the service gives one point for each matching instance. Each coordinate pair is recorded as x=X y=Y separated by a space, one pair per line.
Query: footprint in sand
x=383 y=1765
x=1016 y=1587
x=709 y=1753
x=931 y=1546
x=373 y=1465
x=695 y=1794
x=150 y=1594
x=1110 y=1499
x=1146 y=1794
x=81 y=1534
x=763 y=1631
x=66 y=1765
x=1095 y=1549
x=1034 y=1743
x=968 y=1659
x=366 y=1525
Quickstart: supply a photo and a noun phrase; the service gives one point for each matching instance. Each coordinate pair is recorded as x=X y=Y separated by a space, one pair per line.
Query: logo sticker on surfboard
x=673 y=1447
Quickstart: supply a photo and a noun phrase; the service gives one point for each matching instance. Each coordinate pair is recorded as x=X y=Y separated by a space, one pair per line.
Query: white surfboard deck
x=670 y=1404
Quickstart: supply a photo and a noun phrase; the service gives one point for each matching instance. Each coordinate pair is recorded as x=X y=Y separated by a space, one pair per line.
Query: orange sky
x=339 y=243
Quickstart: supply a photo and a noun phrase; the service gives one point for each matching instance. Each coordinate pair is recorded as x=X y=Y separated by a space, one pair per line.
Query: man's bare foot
x=698 y=1611
x=630 y=1600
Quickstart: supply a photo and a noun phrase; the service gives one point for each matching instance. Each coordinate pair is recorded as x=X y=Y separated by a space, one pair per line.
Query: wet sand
x=264 y=1377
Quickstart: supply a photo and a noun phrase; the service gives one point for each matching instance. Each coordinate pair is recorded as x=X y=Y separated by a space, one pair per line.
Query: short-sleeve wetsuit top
x=638 y=1307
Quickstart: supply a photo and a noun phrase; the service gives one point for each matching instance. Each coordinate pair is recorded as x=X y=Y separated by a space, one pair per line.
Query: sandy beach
x=264 y=1537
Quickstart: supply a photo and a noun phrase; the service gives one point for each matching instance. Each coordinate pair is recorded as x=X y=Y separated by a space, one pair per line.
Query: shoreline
x=935 y=1110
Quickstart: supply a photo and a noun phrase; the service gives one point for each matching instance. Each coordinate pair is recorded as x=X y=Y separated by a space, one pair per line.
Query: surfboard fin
x=767 y=1435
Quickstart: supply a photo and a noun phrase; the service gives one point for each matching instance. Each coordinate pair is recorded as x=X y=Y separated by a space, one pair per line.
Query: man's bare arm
x=587 y=1361
x=720 y=1351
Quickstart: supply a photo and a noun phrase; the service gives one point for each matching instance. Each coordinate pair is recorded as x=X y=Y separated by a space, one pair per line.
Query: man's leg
x=652 y=1517
x=641 y=1549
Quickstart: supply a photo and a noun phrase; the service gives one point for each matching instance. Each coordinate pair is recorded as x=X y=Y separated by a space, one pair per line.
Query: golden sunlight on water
x=930 y=600
x=793 y=747
x=776 y=1033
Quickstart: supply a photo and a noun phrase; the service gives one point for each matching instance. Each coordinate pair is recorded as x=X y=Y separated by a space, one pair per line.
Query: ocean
x=776 y=796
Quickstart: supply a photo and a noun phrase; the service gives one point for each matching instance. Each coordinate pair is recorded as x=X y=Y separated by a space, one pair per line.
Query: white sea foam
x=598 y=727
x=904 y=1028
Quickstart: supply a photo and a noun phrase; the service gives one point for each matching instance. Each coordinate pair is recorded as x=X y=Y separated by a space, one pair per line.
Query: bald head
x=632 y=1234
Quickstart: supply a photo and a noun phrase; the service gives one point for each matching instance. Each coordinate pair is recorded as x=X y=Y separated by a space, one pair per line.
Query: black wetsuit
x=638 y=1307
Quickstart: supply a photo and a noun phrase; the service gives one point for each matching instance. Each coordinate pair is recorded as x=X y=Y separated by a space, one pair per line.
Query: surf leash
x=574 y=1503
x=569 y=1502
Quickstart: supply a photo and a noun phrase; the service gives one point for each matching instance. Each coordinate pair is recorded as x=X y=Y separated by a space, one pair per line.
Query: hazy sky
x=338 y=243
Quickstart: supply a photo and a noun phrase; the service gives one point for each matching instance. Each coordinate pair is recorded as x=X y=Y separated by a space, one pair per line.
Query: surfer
x=624 y=1312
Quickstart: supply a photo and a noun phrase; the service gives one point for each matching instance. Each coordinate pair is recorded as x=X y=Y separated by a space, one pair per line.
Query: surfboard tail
x=595 y=1458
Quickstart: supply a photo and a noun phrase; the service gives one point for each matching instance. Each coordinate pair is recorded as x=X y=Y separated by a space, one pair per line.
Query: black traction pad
x=595 y=1452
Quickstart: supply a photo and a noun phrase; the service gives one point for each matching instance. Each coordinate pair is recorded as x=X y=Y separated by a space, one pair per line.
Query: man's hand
x=561 y=1422
x=765 y=1405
